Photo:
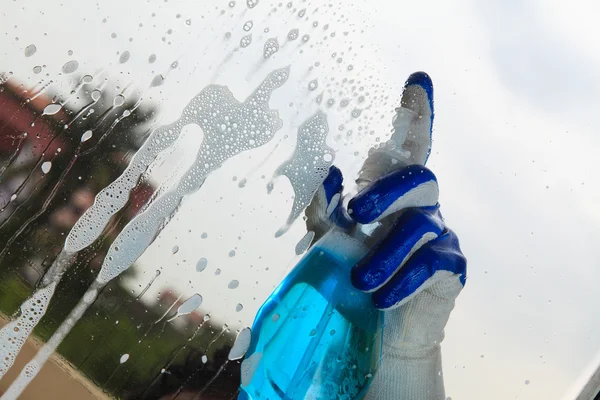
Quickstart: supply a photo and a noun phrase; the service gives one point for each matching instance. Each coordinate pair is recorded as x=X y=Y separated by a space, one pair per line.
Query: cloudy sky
x=515 y=143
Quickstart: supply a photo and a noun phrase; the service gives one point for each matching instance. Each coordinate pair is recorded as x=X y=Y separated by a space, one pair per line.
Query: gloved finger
x=437 y=260
x=325 y=201
x=410 y=142
x=333 y=184
x=418 y=97
x=412 y=186
x=411 y=230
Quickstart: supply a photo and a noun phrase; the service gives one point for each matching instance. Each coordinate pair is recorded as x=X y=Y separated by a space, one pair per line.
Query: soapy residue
x=14 y=334
x=308 y=166
x=229 y=127
x=222 y=119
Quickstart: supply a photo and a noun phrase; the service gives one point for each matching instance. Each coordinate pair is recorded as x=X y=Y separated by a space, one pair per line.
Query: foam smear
x=308 y=166
x=229 y=127
x=14 y=334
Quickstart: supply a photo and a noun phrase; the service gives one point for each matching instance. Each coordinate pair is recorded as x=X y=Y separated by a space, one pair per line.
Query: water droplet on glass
x=175 y=249
x=271 y=47
x=232 y=253
x=239 y=307
x=204 y=235
x=52 y=109
x=86 y=136
x=245 y=41
x=118 y=100
x=190 y=305
x=204 y=359
x=302 y=13
x=157 y=81
x=241 y=344
x=30 y=50
x=188 y=22
x=527 y=381
x=96 y=95
x=201 y=264
x=233 y=284
x=319 y=98
x=248 y=25
x=305 y=38
x=46 y=166
x=37 y=69
x=152 y=58
x=87 y=79
x=275 y=317
x=218 y=271
x=124 y=57
x=313 y=85
x=251 y=3
x=313 y=332
x=293 y=34
x=231 y=4
x=70 y=67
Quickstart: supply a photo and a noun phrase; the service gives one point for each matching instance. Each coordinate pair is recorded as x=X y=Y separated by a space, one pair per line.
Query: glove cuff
x=409 y=378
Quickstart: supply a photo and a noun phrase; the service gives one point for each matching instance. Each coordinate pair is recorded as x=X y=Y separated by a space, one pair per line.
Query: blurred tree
x=50 y=171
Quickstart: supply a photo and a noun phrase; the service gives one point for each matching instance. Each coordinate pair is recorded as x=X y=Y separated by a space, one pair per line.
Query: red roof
x=17 y=116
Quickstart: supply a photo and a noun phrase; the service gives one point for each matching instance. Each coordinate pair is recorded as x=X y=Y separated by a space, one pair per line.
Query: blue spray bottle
x=316 y=336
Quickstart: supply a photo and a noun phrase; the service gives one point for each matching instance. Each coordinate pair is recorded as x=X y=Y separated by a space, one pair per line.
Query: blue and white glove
x=414 y=273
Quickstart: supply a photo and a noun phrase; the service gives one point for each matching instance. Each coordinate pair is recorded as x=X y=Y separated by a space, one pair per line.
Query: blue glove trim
x=333 y=183
x=442 y=253
x=424 y=81
x=373 y=200
x=382 y=262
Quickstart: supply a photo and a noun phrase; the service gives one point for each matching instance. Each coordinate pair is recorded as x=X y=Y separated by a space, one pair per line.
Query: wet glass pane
x=157 y=159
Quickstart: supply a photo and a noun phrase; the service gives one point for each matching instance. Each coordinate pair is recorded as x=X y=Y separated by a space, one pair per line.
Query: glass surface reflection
x=84 y=86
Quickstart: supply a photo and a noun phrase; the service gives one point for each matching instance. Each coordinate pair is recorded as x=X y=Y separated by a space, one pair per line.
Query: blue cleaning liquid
x=316 y=336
